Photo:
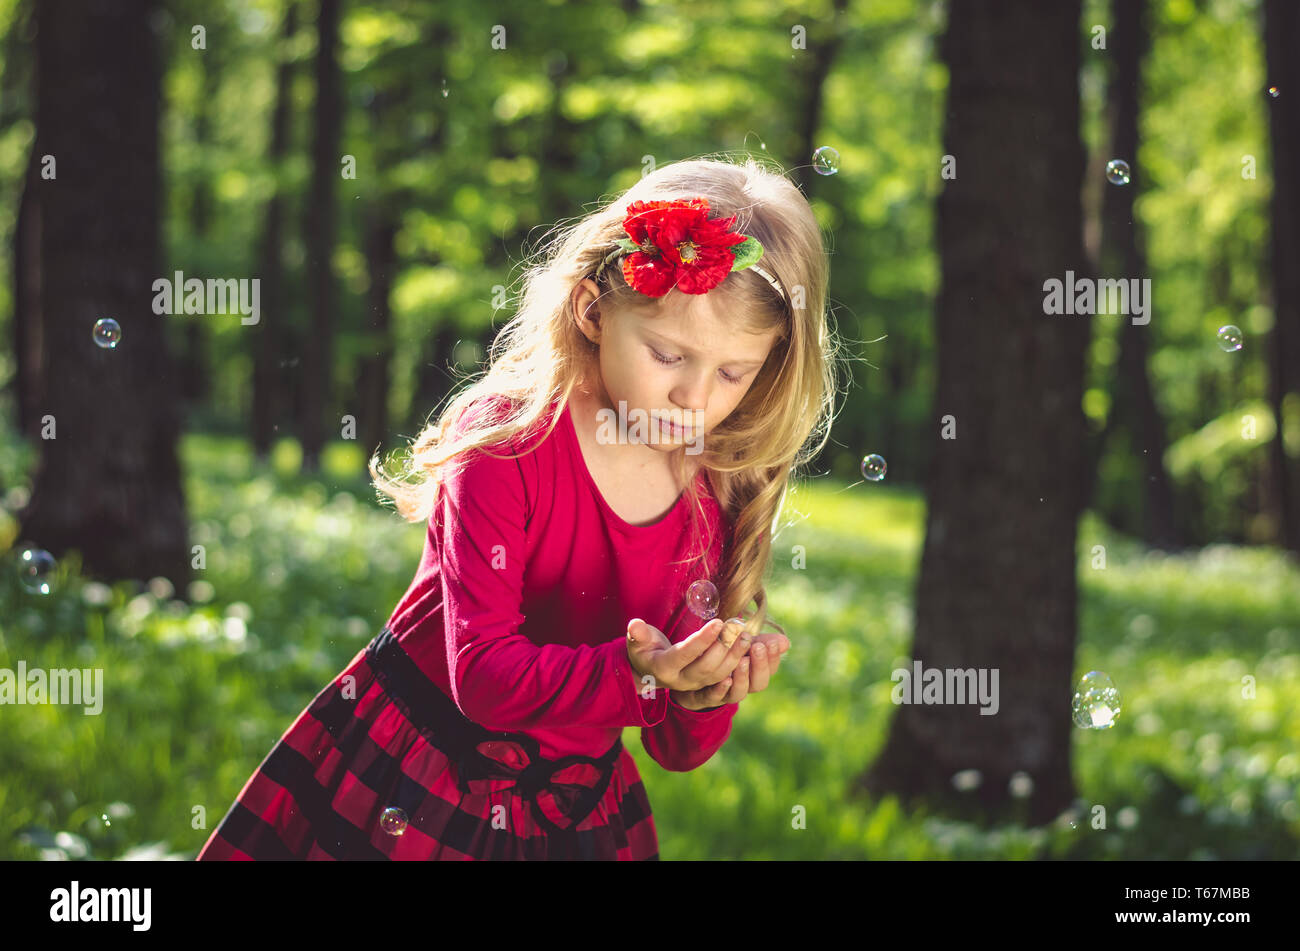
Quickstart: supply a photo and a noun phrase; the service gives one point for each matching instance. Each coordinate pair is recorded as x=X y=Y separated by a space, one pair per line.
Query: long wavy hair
x=540 y=356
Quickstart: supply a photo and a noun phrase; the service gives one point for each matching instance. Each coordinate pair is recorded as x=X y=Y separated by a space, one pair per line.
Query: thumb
x=634 y=629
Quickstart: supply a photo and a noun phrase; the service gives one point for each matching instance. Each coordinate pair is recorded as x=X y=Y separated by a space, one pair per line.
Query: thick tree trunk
x=108 y=482
x=1281 y=40
x=997 y=588
x=271 y=330
x=318 y=403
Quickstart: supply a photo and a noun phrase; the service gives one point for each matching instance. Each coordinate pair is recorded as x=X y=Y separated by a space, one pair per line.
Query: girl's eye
x=662 y=359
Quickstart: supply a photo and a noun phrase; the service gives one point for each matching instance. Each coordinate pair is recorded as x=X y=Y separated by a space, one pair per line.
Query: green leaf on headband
x=627 y=244
x=747 y=252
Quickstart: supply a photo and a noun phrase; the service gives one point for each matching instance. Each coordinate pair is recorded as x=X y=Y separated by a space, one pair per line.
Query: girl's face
x=685 y=363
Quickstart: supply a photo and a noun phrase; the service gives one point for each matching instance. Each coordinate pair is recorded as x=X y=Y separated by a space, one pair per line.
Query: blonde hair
x=541 y=356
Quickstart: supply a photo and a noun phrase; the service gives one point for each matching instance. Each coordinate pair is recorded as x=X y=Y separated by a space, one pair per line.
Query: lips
x=674 y=430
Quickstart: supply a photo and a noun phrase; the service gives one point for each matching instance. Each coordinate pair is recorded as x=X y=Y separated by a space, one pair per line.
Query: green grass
x=301 y=572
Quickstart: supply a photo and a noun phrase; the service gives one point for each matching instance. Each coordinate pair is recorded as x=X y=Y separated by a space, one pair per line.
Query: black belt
x=562 y=792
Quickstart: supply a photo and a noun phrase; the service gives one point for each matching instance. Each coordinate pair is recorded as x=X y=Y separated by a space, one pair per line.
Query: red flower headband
x=674 y=244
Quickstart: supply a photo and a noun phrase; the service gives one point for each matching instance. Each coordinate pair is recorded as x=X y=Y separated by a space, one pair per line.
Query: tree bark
x=108 y=481
x=997 y=588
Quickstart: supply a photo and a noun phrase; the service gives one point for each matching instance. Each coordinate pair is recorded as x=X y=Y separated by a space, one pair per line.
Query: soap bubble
x=393 y=821
x=873 y=467
x=36 y=569
x=1096 y=702
x=1273 y=91
x=1229 y=338
x=702 y=599
x=106 y=333
x=826 y=161
x=1118 y=172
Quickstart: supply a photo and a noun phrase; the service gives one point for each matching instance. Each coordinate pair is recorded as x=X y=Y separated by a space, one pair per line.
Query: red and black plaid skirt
x=383 y=765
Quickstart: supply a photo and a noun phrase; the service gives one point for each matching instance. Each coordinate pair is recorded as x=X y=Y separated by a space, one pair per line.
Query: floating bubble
x=826 y=161
x=36 y=569
x=393 y=821
x=1229 y=338
x=1096 y=702
x=702 y=599
x=106 y=333
x=873 y=467
x=1118 y=172
x=1273 y=91
x=104 y=818
x=967 y=779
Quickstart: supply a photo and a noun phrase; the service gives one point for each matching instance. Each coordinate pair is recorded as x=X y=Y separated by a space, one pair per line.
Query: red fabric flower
x=677 y=246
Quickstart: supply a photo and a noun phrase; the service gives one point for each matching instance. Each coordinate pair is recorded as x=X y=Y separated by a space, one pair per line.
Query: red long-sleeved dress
x=515 y=623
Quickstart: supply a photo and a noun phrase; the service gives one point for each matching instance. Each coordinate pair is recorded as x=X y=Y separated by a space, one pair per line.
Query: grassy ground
x=300 y=574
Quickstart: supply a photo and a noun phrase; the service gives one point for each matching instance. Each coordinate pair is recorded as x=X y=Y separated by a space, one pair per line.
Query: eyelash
x=661 y=359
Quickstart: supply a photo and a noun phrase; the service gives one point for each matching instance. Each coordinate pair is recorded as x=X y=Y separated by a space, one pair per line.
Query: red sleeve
x=499 y=677
x=688 y=738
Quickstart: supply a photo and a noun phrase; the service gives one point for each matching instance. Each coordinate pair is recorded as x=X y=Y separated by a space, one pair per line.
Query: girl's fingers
x=718 y=660
x=700 y=643
x=761 y=669
x=740 y=682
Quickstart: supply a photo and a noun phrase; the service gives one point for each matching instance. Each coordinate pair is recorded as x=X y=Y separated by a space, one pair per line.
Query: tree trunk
x=108 y=482
x=270 y=331
x=17 y=86
x=321 y=224
x=997 y=587
x=1281 y=39
x=29 y=327
x=1123 y=256
x=381 y=260
x=195 y=382
x=811 y=93
x=434 y=380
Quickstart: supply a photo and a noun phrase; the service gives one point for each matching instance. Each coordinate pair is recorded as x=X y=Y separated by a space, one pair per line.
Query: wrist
x=680 y=699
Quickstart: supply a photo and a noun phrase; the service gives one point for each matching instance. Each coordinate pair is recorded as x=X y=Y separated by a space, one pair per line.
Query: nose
x=692 y=395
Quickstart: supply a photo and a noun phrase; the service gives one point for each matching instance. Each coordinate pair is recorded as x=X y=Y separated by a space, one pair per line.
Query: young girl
x=571 y=553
